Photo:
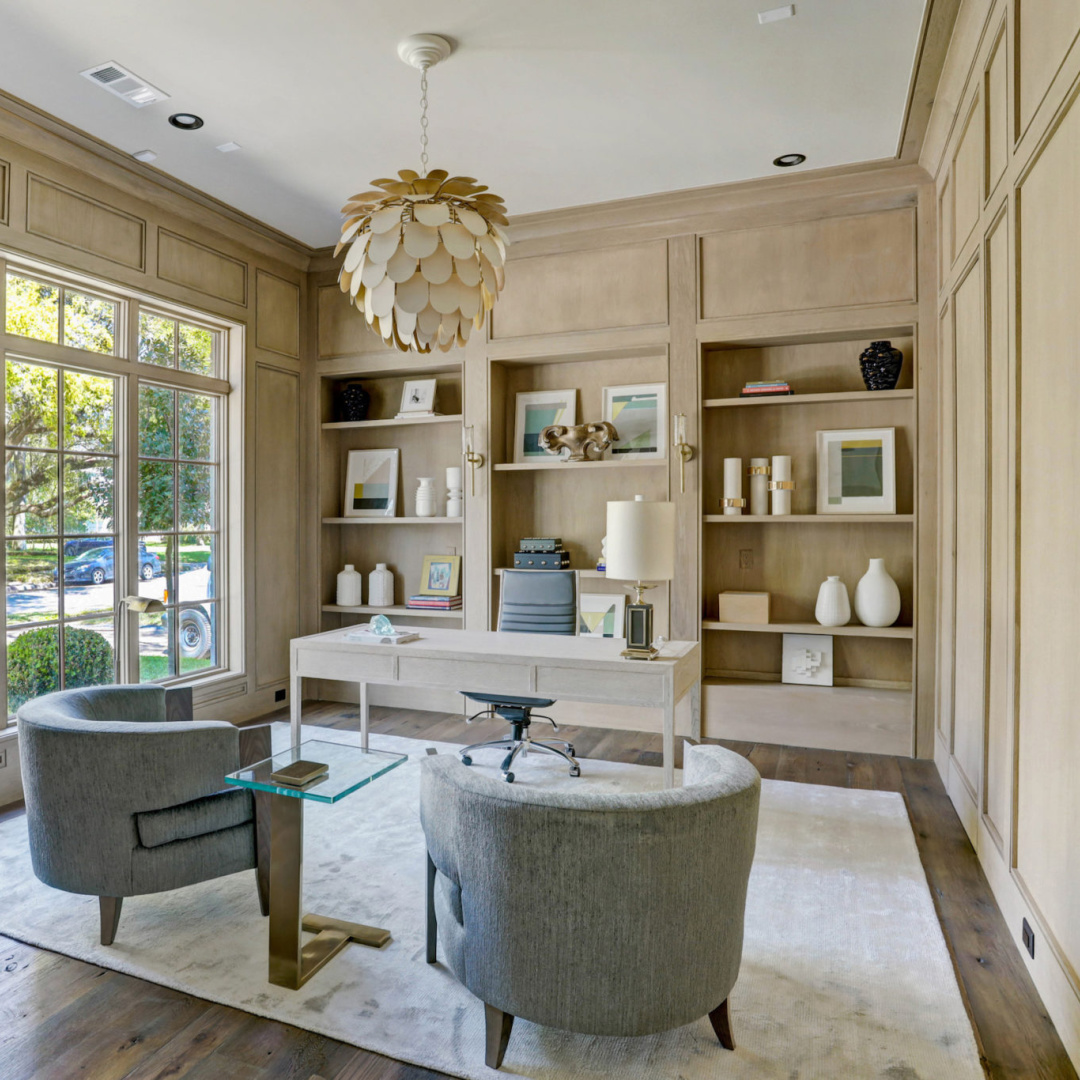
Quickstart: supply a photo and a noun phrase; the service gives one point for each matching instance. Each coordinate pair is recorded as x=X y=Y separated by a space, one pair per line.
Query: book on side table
x=300 y=773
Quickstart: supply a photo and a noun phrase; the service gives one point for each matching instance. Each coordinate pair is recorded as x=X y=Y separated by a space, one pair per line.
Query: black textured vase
x=351 y=401
x=881 y=364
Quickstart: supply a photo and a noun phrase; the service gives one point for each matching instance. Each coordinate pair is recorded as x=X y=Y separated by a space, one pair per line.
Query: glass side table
x=292 y=962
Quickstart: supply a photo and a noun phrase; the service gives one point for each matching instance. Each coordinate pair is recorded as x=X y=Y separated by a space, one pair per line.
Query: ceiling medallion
x=425 y=252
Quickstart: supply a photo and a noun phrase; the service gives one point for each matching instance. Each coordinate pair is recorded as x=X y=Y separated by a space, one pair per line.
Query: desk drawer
x=464 y=675
x=345 y=667
x=622 y=687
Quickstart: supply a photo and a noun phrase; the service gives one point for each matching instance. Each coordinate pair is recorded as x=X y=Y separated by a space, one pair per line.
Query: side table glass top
x=351 y=768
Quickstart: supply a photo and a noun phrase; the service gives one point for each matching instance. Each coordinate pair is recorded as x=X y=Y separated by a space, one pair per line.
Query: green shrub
x=34 y=662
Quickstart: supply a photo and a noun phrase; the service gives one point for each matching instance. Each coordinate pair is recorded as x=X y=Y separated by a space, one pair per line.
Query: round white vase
x=380 y=587
x=349 y=587
x=425 y=496
x=833 y=606
x=877 y=598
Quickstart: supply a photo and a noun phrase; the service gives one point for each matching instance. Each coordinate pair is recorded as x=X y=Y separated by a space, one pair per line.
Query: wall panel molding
x=5 y=193
x=203 y=269
x=277 y=314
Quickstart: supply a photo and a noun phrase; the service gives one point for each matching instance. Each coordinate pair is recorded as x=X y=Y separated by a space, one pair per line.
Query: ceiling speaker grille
x=124 y=84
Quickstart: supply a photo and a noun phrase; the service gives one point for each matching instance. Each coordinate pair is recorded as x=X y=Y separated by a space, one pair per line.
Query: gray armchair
x=121 y=801
x=601 y=914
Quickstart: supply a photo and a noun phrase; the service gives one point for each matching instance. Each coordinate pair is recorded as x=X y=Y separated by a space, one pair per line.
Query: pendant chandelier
x=426 y=251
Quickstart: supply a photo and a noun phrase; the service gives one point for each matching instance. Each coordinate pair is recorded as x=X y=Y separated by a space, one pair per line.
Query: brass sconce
x=474 y=460
x=682 y=448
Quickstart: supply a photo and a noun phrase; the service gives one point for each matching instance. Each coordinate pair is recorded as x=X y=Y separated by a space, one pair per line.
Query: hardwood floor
x=62 y=1018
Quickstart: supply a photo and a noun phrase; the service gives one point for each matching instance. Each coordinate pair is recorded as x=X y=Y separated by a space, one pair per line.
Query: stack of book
x=436 y=603
x=772 y=388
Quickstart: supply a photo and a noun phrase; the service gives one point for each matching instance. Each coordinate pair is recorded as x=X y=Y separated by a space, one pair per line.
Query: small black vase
x=881 y=364
x=351 y=401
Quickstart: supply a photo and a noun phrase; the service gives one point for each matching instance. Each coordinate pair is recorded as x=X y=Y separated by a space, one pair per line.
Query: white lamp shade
x=641 y=540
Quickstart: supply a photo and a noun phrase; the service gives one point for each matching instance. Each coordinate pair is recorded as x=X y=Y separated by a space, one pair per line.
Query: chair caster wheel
x=465 y=759
x=575 y=770
x=570 y=750
x=508 y=777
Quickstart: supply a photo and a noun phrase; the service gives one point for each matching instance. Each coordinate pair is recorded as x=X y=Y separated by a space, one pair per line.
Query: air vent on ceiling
x=124 y=84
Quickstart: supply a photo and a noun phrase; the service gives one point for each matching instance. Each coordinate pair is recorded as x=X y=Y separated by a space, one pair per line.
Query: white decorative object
x=759 y=486
x=732 y=502
x=833 y=606
x=350 y=587
x=781 y=485
x=877 y=598
x=455 y=504
x=425 y=496
x=425 y=252
x=856 y=471
x=601 y=564
x=380 y=587
x=808 y=659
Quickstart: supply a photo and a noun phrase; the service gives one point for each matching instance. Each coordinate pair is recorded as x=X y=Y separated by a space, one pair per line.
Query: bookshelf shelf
x=571 y=466
x=809 y=519
x=350 y=425
x=397 y=609
x=392 y=521
x=810 y=399
x=897 y=632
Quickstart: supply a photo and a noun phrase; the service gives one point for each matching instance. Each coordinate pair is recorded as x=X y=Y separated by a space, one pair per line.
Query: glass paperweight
x=380 y=624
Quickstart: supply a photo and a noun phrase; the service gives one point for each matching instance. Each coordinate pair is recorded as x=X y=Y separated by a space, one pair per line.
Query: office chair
x=530 y=602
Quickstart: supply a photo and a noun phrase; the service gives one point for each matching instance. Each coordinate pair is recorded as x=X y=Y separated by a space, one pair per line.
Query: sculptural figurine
x=586 y=442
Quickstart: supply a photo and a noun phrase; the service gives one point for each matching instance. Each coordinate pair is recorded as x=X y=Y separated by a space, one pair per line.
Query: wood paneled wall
x=1003 y=144
x=78 y=205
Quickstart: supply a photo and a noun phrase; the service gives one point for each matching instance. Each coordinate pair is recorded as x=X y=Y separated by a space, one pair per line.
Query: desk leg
x=296 y=694
x=695 y=711
x=669 y=743
x=364 y=715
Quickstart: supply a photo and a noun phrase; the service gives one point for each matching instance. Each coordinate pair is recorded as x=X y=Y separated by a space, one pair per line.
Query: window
x=88 y=522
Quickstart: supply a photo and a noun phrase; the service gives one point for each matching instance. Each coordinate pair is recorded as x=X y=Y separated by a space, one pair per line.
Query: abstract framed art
x=371 y=479
x=639 y=414
x=856 y=471
x=440 y=576
x=601 y=614
x=536 y=410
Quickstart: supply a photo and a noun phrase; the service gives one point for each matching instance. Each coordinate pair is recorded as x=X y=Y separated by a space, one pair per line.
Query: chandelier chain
x=423 y=122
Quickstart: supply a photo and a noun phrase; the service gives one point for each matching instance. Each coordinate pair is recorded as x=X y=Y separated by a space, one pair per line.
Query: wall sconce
x=473 y=459
x=682 y=448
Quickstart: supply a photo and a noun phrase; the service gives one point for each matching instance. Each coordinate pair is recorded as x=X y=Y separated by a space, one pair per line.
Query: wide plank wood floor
x=62 y=1018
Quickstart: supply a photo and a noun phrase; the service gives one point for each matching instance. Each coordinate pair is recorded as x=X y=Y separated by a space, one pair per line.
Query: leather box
x=744 y=607
x=532 y=544
x=541 y=560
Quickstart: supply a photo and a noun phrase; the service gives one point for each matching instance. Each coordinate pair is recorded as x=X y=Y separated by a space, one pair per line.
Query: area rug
x=845 y=972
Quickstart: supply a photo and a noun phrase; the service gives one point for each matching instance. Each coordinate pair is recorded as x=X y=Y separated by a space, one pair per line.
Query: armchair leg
x=498 y=1025
x=109 y=907
x=720 y=1018
x=432 y=925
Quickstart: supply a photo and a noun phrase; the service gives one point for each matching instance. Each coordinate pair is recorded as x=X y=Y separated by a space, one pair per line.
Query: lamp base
x=639 y=629
x=650 y=653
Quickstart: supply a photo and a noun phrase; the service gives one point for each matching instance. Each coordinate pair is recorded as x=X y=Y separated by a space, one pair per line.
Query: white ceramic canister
x=380 y=589
x=350 y=587
x=833 y=606
x=425 y=496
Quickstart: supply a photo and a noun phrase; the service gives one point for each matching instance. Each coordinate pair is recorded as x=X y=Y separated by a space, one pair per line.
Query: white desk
x=539 y=665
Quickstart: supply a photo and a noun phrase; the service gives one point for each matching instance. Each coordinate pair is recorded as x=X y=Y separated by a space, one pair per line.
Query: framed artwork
x=808 y=659
x=856 y=471
x=639 y=414
x=371 y=478
x=441 y=576
x=417 y=396
x=536 y=410
x=601 y=614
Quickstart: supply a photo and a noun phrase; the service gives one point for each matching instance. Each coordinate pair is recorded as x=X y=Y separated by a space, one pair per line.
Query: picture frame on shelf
x=417 y=398
x=807 y=660
x=371 y=481
x=536 y=410
x=601 y=614
x=639 y=415
x=856 y=471
x=440 y=576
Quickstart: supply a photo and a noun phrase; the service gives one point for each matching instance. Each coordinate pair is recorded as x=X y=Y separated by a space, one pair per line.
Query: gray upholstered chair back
x=538 y=602
x=609 y=914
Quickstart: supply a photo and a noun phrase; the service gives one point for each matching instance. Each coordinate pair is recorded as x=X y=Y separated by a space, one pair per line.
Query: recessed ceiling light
x=186 y=121
x=229 y=147
x=776 y=14
x=785 y=161
x=145 y=155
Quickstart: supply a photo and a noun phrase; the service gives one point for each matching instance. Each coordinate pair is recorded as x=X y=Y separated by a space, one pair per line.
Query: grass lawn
x=152 y=668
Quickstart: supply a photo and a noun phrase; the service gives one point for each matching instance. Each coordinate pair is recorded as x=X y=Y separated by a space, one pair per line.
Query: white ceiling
x=552 y=103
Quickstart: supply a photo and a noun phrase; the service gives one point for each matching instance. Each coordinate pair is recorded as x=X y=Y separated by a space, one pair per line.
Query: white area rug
x=845 y=972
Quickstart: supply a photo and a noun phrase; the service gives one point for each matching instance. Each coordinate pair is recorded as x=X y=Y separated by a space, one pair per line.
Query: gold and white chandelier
x=425 y=252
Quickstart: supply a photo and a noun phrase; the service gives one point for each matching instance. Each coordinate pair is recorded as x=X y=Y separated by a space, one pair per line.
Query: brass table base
x=292 y=962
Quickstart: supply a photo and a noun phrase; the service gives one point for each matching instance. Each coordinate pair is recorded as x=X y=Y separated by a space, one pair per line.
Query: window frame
x=124 y=364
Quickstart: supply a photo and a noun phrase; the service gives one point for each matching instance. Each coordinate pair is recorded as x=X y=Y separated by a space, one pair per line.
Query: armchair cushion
x=222 y=810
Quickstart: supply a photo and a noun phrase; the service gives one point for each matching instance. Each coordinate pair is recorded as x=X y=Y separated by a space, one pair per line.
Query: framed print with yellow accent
x=856 y=471
x=441 y=576
x=371 y=479
x=639 y=414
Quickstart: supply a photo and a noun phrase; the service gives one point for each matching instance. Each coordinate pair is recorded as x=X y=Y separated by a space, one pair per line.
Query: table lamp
x=641 y=549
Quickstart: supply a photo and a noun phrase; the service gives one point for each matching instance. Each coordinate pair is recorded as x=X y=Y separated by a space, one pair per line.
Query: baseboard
x=11 y=790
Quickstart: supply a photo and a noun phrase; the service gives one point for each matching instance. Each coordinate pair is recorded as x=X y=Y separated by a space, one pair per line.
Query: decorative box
x=540 y=543
x=541 y=560
x=745 y=607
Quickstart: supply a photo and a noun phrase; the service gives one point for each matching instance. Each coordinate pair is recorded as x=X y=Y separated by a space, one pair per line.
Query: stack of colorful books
x=772 y=388
x=435 y=603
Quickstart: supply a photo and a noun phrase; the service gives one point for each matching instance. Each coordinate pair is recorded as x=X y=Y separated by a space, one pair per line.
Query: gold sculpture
x=586 y=442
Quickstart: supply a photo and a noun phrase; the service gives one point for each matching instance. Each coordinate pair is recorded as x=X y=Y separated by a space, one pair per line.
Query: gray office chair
x=530 y=602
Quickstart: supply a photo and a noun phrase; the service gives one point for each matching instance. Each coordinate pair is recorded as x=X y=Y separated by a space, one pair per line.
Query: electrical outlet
x=746 y=560
x=1029 y=938
x=3 y=759
x=279 y=695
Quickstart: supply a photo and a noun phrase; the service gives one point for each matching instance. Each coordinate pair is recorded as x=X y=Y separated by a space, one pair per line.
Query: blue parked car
x=95 y=565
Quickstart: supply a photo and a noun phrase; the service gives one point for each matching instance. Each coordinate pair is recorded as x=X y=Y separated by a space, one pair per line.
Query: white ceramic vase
x=425 y=496
x=833 y=606
x=455 y=504
x=350 y=587
x=380 y=589
x=877 y=598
